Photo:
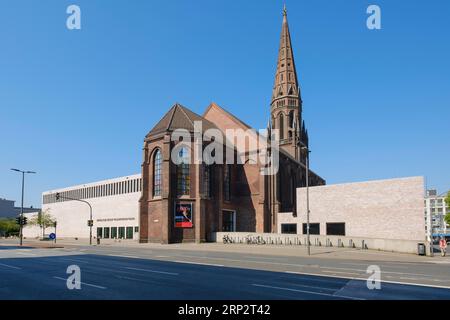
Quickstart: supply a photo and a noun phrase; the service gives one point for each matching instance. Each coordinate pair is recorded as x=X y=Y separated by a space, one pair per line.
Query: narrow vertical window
x=281 y=126
x=157 y=174
x=183 y=174
x=207 y=169
x=227 y=182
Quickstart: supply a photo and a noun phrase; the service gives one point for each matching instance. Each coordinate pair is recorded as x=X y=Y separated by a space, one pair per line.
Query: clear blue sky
x=75 y=105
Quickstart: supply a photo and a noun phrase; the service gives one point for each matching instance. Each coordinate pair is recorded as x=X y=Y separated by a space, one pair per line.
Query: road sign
x=52 y=236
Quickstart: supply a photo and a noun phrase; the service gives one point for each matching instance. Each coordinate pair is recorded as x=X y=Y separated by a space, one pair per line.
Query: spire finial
x=284 y=10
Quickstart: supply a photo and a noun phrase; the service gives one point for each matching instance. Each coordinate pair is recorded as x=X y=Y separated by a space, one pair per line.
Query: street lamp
x=90 y=221
x=21 y=210
x=307 y=199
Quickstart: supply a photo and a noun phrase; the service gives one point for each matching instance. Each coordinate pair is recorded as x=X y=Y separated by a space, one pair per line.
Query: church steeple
x=286 y=83
x=286 y=102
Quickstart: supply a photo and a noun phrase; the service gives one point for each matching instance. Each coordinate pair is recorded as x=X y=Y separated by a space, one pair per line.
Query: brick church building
x=188 y=202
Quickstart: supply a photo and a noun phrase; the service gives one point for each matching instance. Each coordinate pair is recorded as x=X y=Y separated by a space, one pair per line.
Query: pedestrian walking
x=443 y=246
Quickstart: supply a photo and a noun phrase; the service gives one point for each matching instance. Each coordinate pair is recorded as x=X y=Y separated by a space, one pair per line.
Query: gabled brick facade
x=250 y=201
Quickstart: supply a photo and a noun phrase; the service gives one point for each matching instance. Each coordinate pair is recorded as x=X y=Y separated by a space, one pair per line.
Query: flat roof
x=94 y=184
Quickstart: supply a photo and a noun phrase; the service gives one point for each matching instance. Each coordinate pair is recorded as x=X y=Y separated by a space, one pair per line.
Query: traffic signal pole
x=90 y=221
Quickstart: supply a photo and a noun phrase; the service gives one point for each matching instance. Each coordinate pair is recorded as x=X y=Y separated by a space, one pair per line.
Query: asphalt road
x=137 y=273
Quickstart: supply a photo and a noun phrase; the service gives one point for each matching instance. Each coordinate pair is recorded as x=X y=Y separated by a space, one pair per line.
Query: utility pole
x=22 y=220
x=308 y=244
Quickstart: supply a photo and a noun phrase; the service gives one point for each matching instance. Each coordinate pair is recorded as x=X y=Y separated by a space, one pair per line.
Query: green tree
x=8 y=227
x=43 y=219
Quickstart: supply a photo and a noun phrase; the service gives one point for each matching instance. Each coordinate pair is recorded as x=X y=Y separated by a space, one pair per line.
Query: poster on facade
x=183 y=215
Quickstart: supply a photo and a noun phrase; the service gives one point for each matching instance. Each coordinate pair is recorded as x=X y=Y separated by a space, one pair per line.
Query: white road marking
x=83 y=283
x=365 y=279
x=333 y=272
x=304 y=291
x=153 y=271
x=238 y=260
x=302 y=265
x=26 y=253
x=200 y=263
x=123 y=256
x=383 y=271
x=128 y=278
x=75 y=260
x=8 y=266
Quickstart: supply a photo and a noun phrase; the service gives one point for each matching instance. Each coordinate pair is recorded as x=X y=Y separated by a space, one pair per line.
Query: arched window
x=281 y=126
x=291 y=119
x=183 y=173
x=157 y=166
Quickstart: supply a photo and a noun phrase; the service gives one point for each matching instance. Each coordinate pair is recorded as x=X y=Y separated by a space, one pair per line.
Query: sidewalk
x=269 y=250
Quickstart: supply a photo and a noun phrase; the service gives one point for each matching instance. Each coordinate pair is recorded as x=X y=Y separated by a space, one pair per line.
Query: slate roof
x=180 y=117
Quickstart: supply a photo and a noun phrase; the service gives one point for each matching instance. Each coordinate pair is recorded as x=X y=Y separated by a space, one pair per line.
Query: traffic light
x=21 y=221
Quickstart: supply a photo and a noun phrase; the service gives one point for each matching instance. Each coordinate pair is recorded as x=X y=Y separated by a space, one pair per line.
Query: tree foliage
x=447 y=201
x=43 y=219
x=8 y=227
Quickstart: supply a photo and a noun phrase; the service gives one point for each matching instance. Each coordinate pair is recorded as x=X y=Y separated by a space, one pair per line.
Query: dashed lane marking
x=200 y=263
x=84 y=283
x=8 y=266
x=306 y=291
x=153 y=271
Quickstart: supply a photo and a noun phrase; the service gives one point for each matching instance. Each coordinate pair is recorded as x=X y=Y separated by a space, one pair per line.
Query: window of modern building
x=289 y=228
x=106 y=233
x=129 y=232
x=157 y=162
x=227 y=182
x=136 y=229
x=336 y=229
x=113 y=232
x=99 y=232
x=314 y=228
x=183 y=173
x=121 y=232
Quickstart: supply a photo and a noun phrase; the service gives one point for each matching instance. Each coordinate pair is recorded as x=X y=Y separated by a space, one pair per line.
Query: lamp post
x=90 y=222
x=21 y=207
x=308 y=244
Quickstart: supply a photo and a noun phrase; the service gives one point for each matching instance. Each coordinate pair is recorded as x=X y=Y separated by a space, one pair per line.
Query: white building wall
x=383 y=209
x=118 y=210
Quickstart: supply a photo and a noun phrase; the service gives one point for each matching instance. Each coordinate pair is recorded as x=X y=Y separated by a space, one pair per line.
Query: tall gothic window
x=281 y=126
x=157 y=164
x=183 y=173
x=291 y=119
x=227 y=182
x=207 y=180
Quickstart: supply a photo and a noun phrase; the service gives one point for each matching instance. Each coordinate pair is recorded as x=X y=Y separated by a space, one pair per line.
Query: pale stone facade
x=115 y=207
x=383 y=209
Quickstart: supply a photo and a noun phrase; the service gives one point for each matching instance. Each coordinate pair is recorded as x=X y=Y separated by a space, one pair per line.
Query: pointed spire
x=286 y=83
